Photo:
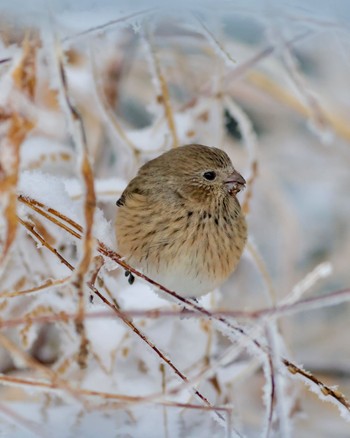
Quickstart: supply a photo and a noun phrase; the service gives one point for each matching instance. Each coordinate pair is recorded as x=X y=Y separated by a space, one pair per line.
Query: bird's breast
x=187 y=250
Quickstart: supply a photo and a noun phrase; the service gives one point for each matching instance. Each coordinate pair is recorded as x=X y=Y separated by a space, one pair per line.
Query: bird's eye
x=210 y=176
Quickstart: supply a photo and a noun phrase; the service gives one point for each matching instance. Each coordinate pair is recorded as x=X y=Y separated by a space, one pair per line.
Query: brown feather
x=172 y=222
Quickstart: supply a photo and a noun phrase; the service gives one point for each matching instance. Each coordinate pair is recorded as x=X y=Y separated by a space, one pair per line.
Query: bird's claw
x=130 y=276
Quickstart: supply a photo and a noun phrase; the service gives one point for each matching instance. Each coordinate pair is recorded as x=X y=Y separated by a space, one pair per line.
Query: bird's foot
x=184 y=309
x=130 y=276
x=183 y=313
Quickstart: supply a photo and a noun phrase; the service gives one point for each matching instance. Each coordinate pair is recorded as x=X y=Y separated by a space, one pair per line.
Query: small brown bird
x=179 y=220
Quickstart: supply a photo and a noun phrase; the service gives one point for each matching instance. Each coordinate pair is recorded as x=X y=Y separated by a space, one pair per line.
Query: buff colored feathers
x=179 y=220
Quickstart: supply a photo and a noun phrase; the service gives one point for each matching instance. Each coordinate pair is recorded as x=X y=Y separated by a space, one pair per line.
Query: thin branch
x=271 y=397
x=106 y=110
x=30 y=227
x=119 y=314
x=150 y=344
x=24 y=79
x=110 y=24
x=42 y=287
x=337 y=121
x=250 y=140
x=259 y=262
x=320 y=271
x=317 y=115
x=243 y=68
x=293 y=369
x=33 y=202
x=215 y=43
x=162 y=86
x=122 y=398
x=280 y=398
x=77 y=130
x=32 y=363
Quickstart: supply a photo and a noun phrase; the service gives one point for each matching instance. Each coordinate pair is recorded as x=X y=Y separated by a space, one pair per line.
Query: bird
x=179 y=220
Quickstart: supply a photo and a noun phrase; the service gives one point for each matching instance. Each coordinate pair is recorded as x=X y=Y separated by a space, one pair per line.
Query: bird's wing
x=120 y=201
x=133 y=188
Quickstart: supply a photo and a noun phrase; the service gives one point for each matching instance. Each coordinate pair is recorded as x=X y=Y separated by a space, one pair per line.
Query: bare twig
x=293 y=369
x=250 y=140
x=19 y=127
x=119 y=313
x=258 y=260
x=42 y=287
x=244 y=67
x=337 y=121
x=218 y=46
x=110 y=24
x=271 y=397
x=78 y=133
x=108 y=114
x=121 y=398
x=279 y=397
x=162 y=86
x=318 y=118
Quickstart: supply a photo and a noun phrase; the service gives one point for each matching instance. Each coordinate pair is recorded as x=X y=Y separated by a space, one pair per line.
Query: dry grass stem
x=239 y=331
x=82 y=106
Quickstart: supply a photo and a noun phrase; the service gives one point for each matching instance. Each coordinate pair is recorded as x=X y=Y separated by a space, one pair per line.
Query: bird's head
x=196 y=173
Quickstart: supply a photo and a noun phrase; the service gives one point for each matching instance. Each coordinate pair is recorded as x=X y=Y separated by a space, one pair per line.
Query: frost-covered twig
x=23 y=77
x=42 y=287
x=318 y=118
x=320 y=271
x=324 y=392
x=121 y=398
x=51 y=213
x=77 y=130
x=262 y=81
x=270 y=396
x=279 y=395
x=165 y=359
x=25 y=358
x=34 y=310
x=9 y=158
x=31 y=229
x=250 y=140
x=215 y=43
x=118 y=312
x=106 y=110
x=333 y=395
x=160 y=83
x=110 y=24
x=259 y=262
x=243 y=68
x=329 y=299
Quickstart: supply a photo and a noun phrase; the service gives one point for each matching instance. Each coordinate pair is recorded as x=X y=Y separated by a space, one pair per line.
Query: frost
x=103 y=87
x=39 y=152
x=48 y=189
x=323 y=270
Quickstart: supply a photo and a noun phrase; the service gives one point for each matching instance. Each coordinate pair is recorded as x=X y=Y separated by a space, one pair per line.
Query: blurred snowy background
x=89 y=91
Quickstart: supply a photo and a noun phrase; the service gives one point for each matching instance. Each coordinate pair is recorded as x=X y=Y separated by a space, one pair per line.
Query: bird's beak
x=235 y=182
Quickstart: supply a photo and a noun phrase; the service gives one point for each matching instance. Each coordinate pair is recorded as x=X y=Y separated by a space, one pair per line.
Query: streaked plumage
x=178 y=225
